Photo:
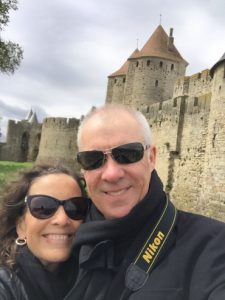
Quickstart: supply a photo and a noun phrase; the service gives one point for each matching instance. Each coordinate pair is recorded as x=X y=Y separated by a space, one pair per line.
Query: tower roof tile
x=123 y=69
x=157 y=46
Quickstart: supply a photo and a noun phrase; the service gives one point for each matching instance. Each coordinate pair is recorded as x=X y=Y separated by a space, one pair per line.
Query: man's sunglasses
x=123 y=154
x=44 y=207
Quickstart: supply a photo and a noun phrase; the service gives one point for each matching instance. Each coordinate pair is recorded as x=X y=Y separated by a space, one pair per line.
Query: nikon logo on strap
x=153 y=247
x=138 y=271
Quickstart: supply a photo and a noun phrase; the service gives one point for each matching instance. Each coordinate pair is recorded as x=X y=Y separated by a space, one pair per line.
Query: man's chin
x=117 y=213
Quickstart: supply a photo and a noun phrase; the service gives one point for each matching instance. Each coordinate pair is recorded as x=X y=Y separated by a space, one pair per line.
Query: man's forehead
x=110 y=117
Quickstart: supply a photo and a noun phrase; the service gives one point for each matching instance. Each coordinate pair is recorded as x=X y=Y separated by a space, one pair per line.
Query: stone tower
x=213 y=190
x=117 y=81
x=58 y=141
x=149 y=75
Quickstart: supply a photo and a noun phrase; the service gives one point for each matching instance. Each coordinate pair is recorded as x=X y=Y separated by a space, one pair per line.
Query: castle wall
x=188 y=164
x=58 y=141
x=180 y=127
x=34 y=142
x=212 y=195
x=166 y=121
x=19 y=139
x=194 y=86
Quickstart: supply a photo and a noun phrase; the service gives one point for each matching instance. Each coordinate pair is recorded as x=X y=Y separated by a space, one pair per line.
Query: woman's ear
x=21 y=227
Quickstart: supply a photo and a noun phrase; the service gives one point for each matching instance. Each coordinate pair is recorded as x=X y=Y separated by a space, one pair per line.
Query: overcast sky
x=71 y=46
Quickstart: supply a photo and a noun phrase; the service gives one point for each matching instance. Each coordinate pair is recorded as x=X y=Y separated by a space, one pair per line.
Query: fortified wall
x=23 y=138
x=185 y=113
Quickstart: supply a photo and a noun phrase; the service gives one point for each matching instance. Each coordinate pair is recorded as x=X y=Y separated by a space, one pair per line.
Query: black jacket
x=191 y=268
x=11 y=287
x=31 y=281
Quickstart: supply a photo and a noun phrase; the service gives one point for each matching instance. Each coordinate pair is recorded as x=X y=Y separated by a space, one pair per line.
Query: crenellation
x=200 y=83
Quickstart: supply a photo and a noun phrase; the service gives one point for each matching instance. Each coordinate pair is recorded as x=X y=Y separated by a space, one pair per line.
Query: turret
x=148 y=76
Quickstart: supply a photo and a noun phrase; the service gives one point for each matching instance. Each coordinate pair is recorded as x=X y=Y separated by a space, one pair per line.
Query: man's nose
x=112 y=170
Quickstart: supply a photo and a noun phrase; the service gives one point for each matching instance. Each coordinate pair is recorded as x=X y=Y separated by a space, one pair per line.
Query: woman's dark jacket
x=191 y=268
x=29 y=280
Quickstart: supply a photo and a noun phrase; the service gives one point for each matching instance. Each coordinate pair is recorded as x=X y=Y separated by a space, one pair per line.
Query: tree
x=11 y=53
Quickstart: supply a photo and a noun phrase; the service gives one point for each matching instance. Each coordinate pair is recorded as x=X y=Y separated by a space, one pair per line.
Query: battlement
x=162 y=110
x=194 y=85
x=61 y=123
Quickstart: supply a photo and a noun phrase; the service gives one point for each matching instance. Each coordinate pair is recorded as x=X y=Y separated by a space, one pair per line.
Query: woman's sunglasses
x=123 y=154
x=44 y=207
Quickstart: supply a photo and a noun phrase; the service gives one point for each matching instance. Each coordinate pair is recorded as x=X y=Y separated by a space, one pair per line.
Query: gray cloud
x=70 y=47
x=12 y=111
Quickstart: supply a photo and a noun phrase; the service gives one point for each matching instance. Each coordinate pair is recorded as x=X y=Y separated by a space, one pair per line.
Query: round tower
x=117 y=82
x=58 y=141
x=152 y=73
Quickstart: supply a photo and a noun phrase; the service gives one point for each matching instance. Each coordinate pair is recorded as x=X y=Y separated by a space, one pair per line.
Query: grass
x=9 y=169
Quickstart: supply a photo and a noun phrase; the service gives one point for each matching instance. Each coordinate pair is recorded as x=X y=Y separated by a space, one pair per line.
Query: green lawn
x=9 y=169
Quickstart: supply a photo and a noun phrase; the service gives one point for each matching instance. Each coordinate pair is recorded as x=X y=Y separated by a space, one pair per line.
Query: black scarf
x=107 y=247
x=97 y=235
x=41 y=284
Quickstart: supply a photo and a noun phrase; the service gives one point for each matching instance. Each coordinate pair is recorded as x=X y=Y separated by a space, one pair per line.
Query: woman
x=39 y=216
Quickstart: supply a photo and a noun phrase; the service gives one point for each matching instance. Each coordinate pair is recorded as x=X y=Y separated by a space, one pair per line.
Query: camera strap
x=138 y=272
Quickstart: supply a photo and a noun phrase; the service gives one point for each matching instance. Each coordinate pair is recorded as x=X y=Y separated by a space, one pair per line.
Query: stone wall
x=212 y=195
x=22 y=143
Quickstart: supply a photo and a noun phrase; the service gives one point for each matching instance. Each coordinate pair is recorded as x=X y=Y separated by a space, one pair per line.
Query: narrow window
x=115 y=80
x=175 y=102
x=161 y=64
x=124 y=79
x=148 y=63
x=156 y=83
x=196 y=101
x=137 y=63
x=172 y=67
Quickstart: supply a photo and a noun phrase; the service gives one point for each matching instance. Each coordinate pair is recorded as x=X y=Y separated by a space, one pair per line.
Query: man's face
x=116 y=188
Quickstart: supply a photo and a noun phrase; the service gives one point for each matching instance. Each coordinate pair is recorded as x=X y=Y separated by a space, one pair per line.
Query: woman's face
x=51 y=239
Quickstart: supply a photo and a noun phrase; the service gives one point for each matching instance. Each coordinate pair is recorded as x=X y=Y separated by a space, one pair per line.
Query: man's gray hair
x=107 y=108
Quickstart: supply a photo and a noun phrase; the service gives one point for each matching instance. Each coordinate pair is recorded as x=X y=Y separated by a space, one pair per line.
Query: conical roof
x=30 y=113
x=124 y=68
x=212 y=70
x=33 y=118
x=157 y=46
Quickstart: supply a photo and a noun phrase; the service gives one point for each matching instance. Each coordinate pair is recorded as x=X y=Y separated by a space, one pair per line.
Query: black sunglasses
x=123 y=154
x=44 y=207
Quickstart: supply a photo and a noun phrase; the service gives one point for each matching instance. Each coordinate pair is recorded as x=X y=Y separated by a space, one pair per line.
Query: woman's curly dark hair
x=12 y=206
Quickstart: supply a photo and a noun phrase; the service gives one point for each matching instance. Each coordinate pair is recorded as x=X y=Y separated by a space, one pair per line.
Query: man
x=134 y=244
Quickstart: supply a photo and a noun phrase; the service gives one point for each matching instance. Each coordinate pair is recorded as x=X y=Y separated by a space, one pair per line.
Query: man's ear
x=152 y=156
